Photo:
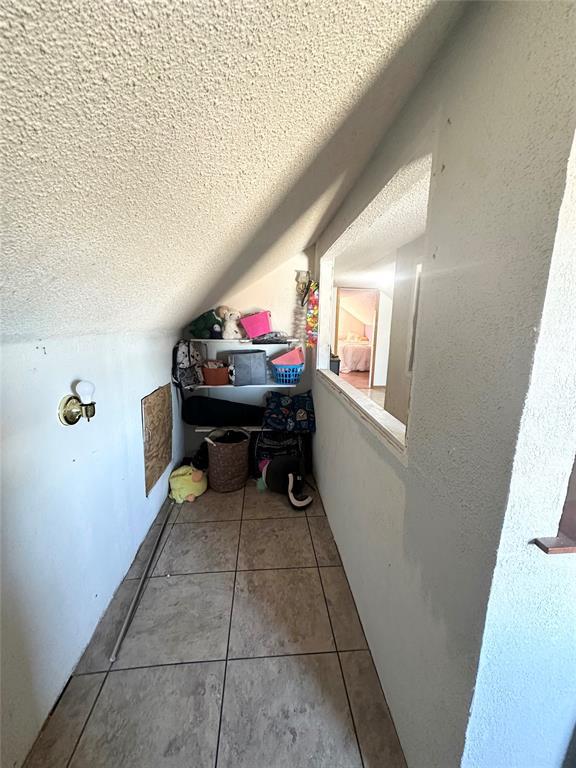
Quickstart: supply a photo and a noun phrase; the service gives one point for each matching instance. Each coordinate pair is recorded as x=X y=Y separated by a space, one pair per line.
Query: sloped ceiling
x=155 y=152
x=360 y=304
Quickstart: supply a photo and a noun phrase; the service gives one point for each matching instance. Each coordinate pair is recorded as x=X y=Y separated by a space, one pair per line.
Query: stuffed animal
x=231 y=329
x=187 y=483
x=208 y=325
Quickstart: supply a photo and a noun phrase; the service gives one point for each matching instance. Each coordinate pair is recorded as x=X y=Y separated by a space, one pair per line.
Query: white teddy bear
x=230 y=329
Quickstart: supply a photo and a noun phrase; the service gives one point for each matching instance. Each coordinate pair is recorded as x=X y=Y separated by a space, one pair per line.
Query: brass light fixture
x=73 y=407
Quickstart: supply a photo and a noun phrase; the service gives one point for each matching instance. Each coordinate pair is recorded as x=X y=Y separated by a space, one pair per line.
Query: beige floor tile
x=279 y=612
x=379 y=742
x=212 y=507
x=343 y=614
x=199 y=547
x=324 y=544
x=281 y=543
x=287 y=712
x=180 y=619
x=57 y=740
x=152 y=718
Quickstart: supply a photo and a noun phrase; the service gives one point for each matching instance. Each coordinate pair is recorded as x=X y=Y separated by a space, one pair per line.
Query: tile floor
x=245 y=651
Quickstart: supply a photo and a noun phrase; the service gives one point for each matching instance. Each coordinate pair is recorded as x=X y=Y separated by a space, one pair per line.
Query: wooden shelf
x=250 y=342
x=268 y=385
x=556 y=545
x=246 y=429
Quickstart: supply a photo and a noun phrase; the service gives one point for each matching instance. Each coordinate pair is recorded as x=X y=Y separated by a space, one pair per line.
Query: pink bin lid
x=292 y=357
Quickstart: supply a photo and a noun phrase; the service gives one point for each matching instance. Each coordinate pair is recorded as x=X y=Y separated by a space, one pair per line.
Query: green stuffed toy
x=187 y=483
x=208 y=325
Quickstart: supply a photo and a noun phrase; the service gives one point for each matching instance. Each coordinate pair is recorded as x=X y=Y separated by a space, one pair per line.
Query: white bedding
x=354 y=356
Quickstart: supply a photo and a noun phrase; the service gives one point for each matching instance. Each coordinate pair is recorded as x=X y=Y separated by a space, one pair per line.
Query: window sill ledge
x=556 y=545
x=392 y=431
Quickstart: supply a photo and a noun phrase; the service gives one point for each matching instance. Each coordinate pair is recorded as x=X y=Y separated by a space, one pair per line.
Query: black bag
x=269 y=445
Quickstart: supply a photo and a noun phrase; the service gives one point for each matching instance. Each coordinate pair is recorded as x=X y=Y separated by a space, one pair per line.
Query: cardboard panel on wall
x=157 y=433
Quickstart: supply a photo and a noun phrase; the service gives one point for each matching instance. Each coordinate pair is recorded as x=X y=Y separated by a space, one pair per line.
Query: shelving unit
x=268 y=385
x=250 y=394
x=218 y=349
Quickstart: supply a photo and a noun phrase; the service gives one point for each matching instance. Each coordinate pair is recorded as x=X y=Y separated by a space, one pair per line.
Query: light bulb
x=85 y=391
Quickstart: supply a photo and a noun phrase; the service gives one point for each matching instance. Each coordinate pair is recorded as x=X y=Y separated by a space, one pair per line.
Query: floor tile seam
x=222 y=660
x=337 y=653
x=158 y=553
x=299 y=516
x=90 y=713
x=239 y=570
x=218 y=735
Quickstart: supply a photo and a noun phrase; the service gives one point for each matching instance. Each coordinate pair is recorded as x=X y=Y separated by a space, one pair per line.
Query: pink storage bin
x=292 y=357
x=256 y=325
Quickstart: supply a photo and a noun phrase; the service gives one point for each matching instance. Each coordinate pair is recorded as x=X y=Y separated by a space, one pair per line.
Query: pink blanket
x=354 y=356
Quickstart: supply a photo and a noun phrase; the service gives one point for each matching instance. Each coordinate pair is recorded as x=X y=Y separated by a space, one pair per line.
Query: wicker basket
x=227 y=461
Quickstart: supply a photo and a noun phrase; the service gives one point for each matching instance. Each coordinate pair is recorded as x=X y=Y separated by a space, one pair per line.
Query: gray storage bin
x=248 y=366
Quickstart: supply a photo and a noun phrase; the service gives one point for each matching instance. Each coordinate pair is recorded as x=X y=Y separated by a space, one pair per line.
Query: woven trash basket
x=227 y=459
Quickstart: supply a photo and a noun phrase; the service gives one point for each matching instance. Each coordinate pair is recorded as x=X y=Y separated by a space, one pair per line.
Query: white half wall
x=74 y=509
x=419 y=537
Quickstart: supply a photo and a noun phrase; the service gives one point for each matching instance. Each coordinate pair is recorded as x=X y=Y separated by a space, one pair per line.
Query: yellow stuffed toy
x=187 y=483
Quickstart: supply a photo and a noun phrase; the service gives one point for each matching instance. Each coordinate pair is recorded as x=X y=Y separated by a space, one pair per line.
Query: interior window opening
x=375 y=287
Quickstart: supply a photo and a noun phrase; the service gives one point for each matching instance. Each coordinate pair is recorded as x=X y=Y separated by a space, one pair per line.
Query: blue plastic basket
x=287 y=374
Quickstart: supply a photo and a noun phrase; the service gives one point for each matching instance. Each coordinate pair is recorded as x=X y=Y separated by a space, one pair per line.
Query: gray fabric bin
x=249 y=366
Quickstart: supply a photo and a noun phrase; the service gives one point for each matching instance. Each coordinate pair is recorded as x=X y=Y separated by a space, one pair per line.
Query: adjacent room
x=288 y=384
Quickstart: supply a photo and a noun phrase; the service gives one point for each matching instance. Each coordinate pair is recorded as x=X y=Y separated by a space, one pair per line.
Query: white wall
x=382 y=340
x=524 y=708
x=419 y=538
x=275 y=291
x=74 y=509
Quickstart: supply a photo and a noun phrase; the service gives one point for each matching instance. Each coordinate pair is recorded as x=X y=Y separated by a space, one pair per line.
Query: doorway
x=355 y=339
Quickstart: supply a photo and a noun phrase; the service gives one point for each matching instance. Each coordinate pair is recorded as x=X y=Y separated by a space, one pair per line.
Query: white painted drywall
x=408 y=257
x=524 y=707
x=419 y=542
x=276 y=292
x=382 y=340
x=74 y=509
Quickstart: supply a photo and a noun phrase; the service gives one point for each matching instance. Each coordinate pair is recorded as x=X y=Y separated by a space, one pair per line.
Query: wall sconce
x=73 y=407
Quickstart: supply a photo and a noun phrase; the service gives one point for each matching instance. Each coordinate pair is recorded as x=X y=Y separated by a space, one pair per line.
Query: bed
x=354 y=356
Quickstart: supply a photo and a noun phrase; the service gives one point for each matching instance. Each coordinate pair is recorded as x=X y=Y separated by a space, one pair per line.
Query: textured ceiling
x=155 y=153
x=399 y=216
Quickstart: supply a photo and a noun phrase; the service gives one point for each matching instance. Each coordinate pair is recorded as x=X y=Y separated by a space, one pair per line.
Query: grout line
x=87 y=719
x=229 y=633
x=168 y=664
x=115 y=670
x=192 y=522
x=336 y=646
x=239 y=570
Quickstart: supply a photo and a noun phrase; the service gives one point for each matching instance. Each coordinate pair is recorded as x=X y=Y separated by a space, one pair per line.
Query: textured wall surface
x=74 y=509
x=524 y=707
x=153 y=151
x=419 y=542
